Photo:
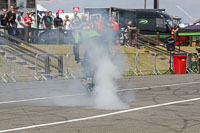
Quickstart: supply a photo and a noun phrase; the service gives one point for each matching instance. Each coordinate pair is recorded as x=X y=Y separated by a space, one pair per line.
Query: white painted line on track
x=81 y=94
x=100 y=116
x=42 y=98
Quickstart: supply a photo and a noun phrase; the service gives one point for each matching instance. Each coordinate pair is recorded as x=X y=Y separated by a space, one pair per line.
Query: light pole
x=156 y=4
x=145 y=4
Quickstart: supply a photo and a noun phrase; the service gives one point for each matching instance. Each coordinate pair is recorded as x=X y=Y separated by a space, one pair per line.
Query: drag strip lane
x=82 y=94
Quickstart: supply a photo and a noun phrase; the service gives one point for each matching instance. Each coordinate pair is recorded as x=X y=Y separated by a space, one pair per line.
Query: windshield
x=169 y=20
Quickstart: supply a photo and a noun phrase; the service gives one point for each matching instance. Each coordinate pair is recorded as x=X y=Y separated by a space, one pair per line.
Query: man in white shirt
x=67 y=23
x=20 y=20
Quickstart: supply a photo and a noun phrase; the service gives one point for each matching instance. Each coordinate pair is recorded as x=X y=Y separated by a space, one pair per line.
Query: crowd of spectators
x=15 y=18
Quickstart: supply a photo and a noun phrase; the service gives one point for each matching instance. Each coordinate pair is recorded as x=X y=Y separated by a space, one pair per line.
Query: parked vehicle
x=148 y=21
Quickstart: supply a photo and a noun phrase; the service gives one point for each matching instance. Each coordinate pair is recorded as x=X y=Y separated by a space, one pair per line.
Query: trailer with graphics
x=149 y=22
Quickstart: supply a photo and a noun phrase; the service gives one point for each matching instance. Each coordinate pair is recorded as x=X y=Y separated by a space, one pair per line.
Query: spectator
x=131 y=33
x=114 y=30
x=175 y=30
x=76 y=24
x=58 y=22
x=20 y=20
x=198 y=61
x=20 y=25
x=47 y=21
x=99 y=26
x=76 y=21
x=3 y=19
x=68 y=32
x=11 y=17
x=11 y=21
x=16 y=11
x=33 y=16
x=67 y=23
x=176 y=27
x=28 y=20
x=84 y=22
x=50 y=15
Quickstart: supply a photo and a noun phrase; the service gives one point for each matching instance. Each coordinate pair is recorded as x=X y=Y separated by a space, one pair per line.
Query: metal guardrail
x=38 y=36
x=18 y=65
x=2 y=68
x=29 y=66
x=52 y=65
x=48 y=66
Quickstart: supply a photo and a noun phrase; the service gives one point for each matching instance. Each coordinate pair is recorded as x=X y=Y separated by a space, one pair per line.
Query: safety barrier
x=146 y=63
x=19 y=66
x=127 y=62
x=22 y=67
x=2 y=79
x=74 y=69
x=162 y=63
x=49 y=65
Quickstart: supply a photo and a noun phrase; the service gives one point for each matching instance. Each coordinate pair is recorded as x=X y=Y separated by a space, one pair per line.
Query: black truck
x=148 y=21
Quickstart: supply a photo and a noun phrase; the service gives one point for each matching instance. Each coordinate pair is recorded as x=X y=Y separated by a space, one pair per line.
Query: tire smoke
x=106 y=72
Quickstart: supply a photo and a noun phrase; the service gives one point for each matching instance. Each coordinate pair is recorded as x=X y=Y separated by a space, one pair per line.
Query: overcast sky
x=189 y=6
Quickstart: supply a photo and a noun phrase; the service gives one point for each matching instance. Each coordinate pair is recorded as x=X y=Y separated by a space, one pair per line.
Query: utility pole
x=145 y=4
x=9 y=3
x=156 y=4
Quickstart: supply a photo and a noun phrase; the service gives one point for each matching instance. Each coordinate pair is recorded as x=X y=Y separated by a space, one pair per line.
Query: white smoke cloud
x=106 y=73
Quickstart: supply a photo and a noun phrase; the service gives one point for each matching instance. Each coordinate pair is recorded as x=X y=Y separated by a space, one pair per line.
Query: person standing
x=47 y=21
x=131 y=33
x=98 y=24
x=114 y=30
x=11 y=21
x=76 y=21
x=28 y=20
x=20 y=25
x=76 y=26
x=174 y=32
x=67 y=23
x=58 y=22
x=33 y=16
x=48 y=25
x=20 y=20
x=3 y=19
x=198 y=60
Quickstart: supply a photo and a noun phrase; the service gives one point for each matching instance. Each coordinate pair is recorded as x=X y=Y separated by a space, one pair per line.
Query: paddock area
x=157 y=104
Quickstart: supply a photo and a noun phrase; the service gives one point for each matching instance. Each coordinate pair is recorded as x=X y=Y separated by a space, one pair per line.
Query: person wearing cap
x=33 y=16
x=28 y=20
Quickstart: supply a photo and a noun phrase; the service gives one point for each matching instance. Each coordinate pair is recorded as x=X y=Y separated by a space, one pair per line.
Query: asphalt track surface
x=158 y=104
